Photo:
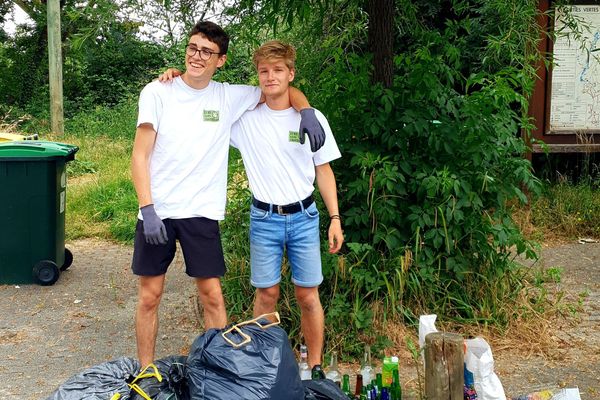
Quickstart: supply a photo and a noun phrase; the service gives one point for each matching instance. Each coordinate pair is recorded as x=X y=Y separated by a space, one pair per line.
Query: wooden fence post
x=55 y=67
x=444 y=366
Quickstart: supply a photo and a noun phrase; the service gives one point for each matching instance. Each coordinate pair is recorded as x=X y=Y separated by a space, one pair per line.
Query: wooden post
x=444 y=366
x=55 y=67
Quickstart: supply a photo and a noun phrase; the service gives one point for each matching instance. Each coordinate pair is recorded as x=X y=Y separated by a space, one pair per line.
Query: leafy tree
x=104 y=58
x=169 y=21
x=428 y=115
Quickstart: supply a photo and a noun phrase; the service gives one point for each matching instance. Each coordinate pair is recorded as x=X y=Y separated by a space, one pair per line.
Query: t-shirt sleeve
x=149 y=106
x=236 y=132
x=243 y=98
x=329 y=151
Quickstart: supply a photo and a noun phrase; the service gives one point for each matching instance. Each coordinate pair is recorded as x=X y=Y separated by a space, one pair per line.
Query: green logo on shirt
x=294 y=137
x=211 y=115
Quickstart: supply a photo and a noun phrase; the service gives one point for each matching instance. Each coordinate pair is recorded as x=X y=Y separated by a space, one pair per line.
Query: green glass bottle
x=363 y=393
x=396 y=386
x=379 y=380
x=346 y=385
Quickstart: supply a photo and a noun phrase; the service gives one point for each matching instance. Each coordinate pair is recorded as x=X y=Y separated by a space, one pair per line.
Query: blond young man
x=283 y=216
x=179 y=170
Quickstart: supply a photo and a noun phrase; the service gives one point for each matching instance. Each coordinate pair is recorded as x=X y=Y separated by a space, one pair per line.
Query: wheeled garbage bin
x=33 y=184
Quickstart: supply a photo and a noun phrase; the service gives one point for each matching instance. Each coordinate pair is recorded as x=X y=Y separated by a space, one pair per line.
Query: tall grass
x=568 y=210
x=101 y=197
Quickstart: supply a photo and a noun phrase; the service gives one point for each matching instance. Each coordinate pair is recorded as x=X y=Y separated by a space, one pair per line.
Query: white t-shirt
x=188 y=166
x=280 y=170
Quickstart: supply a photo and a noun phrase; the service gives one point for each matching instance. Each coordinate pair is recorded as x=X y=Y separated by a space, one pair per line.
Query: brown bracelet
x=336 y=216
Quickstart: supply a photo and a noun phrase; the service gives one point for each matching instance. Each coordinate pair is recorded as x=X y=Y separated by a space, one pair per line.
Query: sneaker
x=317 y=372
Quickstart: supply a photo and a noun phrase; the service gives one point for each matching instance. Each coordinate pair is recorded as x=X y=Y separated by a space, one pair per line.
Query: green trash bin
x=33 y=182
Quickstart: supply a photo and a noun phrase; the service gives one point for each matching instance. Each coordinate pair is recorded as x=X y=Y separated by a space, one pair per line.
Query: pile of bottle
x=369 y=384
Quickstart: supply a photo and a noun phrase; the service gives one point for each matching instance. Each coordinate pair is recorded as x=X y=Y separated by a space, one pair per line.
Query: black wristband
x=336 y=216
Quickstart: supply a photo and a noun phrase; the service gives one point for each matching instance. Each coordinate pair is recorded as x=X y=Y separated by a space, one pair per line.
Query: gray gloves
x=310 y=125
x=154 y=229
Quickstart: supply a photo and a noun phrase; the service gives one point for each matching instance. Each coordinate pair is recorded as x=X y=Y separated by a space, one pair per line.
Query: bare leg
x=146 y=316
x=266 y=300
x=211 y=297
x=312 y=322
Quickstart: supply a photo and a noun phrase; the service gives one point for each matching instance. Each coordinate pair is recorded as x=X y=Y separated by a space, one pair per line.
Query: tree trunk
x=381 y=39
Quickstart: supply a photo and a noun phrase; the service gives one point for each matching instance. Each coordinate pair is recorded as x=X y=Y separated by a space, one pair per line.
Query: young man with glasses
x=179 y=170
x=283 y=216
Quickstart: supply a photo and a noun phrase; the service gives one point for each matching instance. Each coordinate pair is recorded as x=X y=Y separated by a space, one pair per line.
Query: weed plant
x=568 y=210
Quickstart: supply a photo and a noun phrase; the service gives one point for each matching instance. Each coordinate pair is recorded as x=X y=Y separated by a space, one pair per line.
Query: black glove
x=310 y=125
x=154 y=229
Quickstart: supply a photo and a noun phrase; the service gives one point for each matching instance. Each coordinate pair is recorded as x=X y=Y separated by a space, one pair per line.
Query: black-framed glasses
x=205 y=54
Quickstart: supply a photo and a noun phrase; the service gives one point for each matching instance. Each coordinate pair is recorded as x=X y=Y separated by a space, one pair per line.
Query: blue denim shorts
x=297 y=234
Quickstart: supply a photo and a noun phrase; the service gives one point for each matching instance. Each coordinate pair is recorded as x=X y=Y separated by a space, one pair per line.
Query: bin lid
x=37 y=150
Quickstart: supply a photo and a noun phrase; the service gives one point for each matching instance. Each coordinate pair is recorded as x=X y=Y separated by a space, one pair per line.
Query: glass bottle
x=385 y=395
x=332 y=372
x=396 y=386
x=346 y=385
x=366 y=369
x=373 y=391
x=303 y=363
x=364 y=394
x=359 y=385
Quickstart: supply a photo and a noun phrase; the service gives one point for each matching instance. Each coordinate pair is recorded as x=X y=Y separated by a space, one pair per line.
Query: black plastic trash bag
x=323 y=389
x=166 y=382
x=100 y=382
x=252 y=360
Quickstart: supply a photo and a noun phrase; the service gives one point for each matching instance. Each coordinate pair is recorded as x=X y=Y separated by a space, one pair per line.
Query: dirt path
x=48 y=334
x=575 y=361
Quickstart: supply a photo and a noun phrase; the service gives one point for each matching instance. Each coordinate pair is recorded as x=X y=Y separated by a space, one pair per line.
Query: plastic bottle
x=303 y=363
x=390 y=364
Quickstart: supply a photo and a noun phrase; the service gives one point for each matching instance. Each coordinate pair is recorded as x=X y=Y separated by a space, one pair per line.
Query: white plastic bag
x=480 y=362
x=426 y=326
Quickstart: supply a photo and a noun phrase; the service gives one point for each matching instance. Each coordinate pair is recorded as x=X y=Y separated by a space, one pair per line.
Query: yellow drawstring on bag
x=135 y=387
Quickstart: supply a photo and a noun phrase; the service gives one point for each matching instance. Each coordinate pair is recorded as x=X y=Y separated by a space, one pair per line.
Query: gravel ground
x=48 y=334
